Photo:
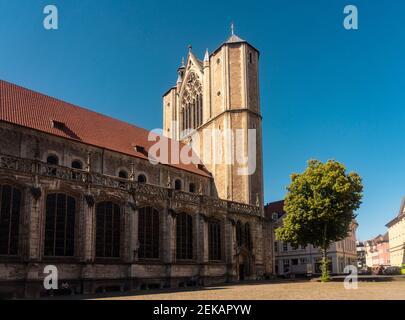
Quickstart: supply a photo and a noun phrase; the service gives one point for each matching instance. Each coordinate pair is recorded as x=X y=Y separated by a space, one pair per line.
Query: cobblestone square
x=282 y=290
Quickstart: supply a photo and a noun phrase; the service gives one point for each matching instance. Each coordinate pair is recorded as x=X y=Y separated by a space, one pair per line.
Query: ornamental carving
x=192 y=90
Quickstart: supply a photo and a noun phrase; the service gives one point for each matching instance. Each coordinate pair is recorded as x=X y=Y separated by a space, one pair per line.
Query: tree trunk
x=325 y=262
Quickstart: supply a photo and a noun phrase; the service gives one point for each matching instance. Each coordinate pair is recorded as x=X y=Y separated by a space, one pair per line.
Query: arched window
x=123 y=174
x=60 y=225
x=108 y=227
x=214 y=240
x=142 y=178
x=10 y=206
x=52 y=159
x=192 y=187
x=191 y=102
x=148 y=233
x=248 y=240
x=184 y=237
x=77 y=164
x=177 y=184
x=239 y=239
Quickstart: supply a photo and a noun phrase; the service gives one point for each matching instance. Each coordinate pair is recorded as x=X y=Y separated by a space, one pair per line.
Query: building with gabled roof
x=88 y=194
x=396 y=234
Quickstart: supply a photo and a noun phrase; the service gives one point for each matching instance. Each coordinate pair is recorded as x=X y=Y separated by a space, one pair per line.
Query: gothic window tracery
x=192 y=103
x=10 y=207
x=148 y=231
x=108 y=231
x=59 y=225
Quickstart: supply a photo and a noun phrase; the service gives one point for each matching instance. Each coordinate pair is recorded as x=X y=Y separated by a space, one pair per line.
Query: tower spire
x=206 y=56
x=232 y=28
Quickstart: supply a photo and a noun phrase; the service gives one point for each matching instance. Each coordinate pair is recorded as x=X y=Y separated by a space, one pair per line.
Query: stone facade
x=224 y=212
x=221 y=94
x=396 y=235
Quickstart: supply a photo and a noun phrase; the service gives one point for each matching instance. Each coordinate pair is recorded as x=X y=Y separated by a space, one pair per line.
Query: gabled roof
x=191 y=56
x=400 y=215
x=26 y=108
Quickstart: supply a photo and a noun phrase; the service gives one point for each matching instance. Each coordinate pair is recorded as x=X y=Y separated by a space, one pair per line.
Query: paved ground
x=282 y=290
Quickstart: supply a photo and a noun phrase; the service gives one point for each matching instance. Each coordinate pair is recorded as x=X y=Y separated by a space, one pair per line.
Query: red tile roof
x=34 y=110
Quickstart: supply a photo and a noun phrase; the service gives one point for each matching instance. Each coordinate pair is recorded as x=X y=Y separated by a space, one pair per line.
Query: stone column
x=88 y=239
x=168 y=242
x=230 y=247
x=32 y=206
x=131 y=233
x=169 y=234
x=257 y=245
x=202 y=239
x=32 y=210
x=88 y=243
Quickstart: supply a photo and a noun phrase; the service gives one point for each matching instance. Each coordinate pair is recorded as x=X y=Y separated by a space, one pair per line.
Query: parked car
x=403 y=269
x=364 y=272
x=392 y=271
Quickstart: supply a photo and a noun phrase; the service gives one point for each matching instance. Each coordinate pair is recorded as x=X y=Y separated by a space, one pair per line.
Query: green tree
x=320 y=206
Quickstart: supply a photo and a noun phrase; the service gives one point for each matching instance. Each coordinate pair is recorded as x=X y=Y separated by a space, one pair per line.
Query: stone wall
x=22 y=165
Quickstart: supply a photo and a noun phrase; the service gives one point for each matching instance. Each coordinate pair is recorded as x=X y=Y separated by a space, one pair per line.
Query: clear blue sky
x=326 y=92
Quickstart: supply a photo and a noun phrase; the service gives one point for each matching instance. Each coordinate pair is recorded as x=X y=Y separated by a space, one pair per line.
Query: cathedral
x=78 y=190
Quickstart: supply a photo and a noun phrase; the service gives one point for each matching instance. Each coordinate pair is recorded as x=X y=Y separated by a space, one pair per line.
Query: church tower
x=215 y=108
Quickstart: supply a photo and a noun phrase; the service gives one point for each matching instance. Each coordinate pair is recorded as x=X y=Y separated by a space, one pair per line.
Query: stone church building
x=78 y=190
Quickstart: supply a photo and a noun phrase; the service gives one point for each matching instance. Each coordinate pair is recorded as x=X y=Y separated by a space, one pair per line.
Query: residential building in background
x=396 y=233
x=361 y=255
x=378 y=252
x=307 y=259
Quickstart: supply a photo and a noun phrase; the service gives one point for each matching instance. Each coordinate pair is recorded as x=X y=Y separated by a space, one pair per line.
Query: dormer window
x=58 y=124
x=139 y=149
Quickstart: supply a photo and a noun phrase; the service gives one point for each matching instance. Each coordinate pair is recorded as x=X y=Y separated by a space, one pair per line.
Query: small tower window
x=177 y=185
x=52 y=159
x=250 y=57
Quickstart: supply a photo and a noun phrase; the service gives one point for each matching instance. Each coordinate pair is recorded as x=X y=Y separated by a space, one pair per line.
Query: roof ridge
x=71 y=104
x=25 y=107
